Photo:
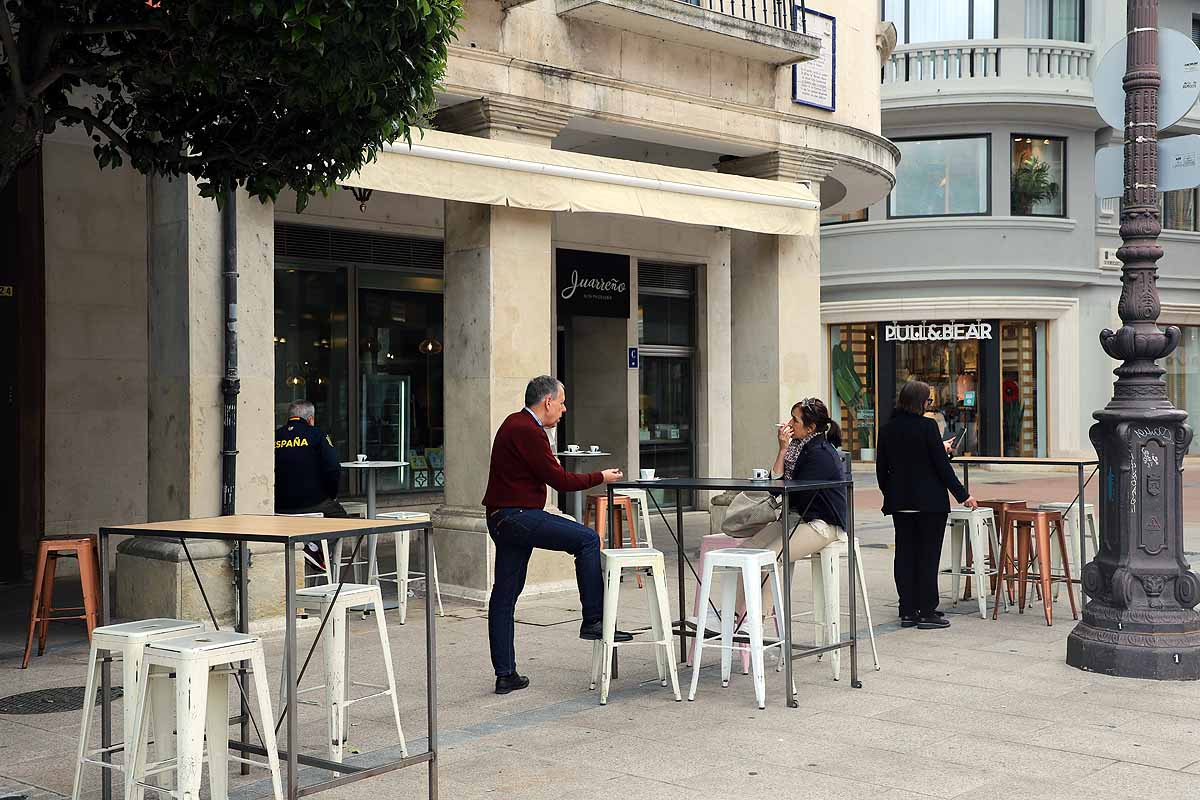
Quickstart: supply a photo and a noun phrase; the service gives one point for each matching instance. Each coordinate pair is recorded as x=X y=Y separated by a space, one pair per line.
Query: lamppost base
x=1156 y=644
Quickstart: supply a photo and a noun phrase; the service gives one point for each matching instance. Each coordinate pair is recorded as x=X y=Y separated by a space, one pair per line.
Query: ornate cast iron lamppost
x=1141 y=620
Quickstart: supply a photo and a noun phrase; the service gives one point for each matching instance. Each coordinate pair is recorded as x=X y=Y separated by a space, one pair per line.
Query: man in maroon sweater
x=522 y=465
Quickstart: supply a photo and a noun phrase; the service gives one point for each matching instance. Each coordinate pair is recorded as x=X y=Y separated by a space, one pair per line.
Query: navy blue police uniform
x=307 y=472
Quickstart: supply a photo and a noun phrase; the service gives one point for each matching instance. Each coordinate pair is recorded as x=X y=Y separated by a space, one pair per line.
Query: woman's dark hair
x=913 y=397
x=814 y=412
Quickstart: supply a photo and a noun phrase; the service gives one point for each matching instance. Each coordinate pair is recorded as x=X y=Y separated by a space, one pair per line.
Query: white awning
x=469 y=169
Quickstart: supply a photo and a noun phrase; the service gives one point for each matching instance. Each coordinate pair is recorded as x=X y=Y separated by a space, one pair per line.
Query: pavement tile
x=1122 y=745
x=1029 y=761
x=1018 y=788
x=876 y=732
x=1145 y=781
x=769 y=780
x=954 y=720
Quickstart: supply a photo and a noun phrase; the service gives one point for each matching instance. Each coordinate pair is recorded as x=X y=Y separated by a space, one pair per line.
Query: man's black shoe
x=908 y=622
x=510 y=683
x=932 y=622
x=594 y=632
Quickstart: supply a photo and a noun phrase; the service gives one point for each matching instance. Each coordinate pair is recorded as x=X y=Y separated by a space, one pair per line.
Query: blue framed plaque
x=814 y=83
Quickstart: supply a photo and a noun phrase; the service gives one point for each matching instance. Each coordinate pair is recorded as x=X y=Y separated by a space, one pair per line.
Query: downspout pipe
x=230 y=383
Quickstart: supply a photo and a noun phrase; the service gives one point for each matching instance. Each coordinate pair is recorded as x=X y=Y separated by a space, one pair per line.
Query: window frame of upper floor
x=987 y=172
x=904 y=25
x=1013 y=138
x=1052 y=20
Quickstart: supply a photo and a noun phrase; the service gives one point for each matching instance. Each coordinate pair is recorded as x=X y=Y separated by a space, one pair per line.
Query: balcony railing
x=989 y=59
x=785 y=14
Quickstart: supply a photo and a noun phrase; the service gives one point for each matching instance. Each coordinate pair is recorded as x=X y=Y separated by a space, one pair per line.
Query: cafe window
x=666 y=377
x=1022 y=382
x=1177 y=209
x=941 y=177
x=941 y=20
x=1054 y=19
x=1037 y=186
x=1183 y=375
x=378 y=390
x=852 y=376
x=952 y=370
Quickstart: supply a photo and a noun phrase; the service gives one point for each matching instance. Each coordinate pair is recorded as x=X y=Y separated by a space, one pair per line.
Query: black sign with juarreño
x=592 y=284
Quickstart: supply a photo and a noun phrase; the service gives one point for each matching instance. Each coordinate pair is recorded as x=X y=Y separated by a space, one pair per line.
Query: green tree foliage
x=259 y=93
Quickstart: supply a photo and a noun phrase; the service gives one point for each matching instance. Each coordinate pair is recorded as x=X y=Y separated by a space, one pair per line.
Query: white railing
x=989 y=59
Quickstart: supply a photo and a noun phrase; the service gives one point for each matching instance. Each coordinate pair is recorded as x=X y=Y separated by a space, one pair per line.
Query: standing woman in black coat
x=913 y=468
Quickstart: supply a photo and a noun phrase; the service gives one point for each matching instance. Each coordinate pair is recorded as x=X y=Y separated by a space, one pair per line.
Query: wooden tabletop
x=265 y=528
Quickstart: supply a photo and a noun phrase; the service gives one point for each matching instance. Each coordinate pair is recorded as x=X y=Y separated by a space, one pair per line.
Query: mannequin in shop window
x=934 y=412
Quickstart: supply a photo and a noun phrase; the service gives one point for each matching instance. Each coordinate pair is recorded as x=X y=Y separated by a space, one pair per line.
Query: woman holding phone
x=912 y=465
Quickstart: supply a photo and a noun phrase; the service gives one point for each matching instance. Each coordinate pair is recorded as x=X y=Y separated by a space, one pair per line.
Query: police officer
x=307 y=471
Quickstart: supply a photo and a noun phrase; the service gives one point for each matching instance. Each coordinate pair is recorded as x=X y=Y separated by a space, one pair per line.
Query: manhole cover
x=48 y=701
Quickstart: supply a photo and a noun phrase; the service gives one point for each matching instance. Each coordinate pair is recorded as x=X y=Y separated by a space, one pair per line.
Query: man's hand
x=971 y=503
x=611 y=475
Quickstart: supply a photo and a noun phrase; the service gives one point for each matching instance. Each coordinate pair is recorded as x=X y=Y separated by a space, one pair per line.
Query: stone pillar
x=775 y=295
x=186 y=358
x=499 y=334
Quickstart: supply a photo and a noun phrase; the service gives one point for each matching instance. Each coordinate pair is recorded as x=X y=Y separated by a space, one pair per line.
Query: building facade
x=624 y=193
x=990 y=268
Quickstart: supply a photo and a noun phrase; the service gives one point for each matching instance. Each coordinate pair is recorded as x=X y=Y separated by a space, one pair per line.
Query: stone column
x=714 y=401
x=186 y=366
x=775 y=295
x=499 y=334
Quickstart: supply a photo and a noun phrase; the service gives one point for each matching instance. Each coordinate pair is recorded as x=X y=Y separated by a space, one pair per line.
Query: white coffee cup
x=759 y=474
x=594 y=448
x=361 y=457
x=572 y=448
x=646 y=474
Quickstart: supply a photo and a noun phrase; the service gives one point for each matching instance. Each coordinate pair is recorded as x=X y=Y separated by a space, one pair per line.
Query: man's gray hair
x=302 y=409
x=539 y=388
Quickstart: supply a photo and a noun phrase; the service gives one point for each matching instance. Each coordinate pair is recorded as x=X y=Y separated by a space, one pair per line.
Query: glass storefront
x=1183 y=376
x=986 y=382
x=380 y=391
x=666 y=378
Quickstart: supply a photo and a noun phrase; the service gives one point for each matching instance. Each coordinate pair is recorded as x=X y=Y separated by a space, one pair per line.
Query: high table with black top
x=372 y=469
x=774 y=487
x=1080 y=464
x=242 y=529
x=577 y=497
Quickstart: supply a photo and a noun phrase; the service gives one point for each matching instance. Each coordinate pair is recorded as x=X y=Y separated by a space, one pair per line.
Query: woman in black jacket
x=914 y=473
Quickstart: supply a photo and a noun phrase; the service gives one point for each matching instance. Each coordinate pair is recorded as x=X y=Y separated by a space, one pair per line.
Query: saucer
x=656 y=478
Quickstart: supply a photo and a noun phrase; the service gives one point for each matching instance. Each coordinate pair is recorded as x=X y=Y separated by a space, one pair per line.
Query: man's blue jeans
x=516 y=532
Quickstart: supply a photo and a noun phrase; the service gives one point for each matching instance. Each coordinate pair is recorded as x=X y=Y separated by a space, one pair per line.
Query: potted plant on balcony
x=1031 y=185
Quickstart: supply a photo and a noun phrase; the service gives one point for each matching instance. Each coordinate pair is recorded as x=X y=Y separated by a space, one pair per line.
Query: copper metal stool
x=999 y=510
x=1024 y=526
x=42 y=613
x=597 y=511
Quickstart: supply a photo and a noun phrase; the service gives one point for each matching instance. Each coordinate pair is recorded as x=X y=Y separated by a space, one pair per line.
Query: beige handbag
x=749 y=513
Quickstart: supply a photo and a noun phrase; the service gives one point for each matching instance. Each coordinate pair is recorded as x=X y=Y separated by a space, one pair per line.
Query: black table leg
x=243 y=626
x=682 y=559
x=289 y=655
x=105 y=671
x=852 y=561
x=786 y=650
x=431 y=668
x=612 y=542
x=1080 y=508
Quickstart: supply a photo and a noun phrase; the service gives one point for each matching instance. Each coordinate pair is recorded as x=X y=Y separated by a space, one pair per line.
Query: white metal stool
x=402 y=577
x=335 y=651
x=127 y=641
x=639 y=496
x=827 y=599
x=203 y=664
x=613 y=562
x=979 y=527
x=729 y=564
x=321 y=576
x=1070 y=527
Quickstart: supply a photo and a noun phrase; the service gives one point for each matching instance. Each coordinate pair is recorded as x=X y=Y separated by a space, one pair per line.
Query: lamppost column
x=1141 y=620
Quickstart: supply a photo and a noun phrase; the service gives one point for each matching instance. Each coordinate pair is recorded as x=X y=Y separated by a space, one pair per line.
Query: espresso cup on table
x=647 y=474
x=572 y=448
x=759 y=475
x=362 y=457
x=595 y=448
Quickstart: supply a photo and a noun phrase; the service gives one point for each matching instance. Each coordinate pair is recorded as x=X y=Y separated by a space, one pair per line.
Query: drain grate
x=48 y=701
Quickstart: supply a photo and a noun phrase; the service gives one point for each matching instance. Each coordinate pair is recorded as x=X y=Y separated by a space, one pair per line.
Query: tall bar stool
x=727 y=565
x=402 y=577
x=709 y=543
x=335 y=651
x=639 y=496
x=202 y=665
x=596 y=511
x=320 y=576
x=1070 y=521
x=1000 y=509
x=1038 y=526
x=978 y=528
x=613 y=562
x=42 y=611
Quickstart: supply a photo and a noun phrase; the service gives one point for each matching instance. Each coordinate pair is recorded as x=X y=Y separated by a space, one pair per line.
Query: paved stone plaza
x=982 y=710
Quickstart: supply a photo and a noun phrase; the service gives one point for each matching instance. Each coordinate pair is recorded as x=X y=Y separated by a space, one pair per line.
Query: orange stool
x=42 y=613
x=1024 y=526
x=596 y=510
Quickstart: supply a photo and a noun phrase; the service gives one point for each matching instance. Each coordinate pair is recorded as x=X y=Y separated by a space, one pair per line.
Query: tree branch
x=100 y=30
x=85 y=116
x=13 y=55
x=92 y=74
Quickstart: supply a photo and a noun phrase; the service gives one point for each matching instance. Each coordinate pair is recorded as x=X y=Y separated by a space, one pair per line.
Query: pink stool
x=715 y=541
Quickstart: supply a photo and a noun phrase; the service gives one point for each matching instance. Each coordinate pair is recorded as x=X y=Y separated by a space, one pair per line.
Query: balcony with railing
x=1028 y=69
x=770 y=31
